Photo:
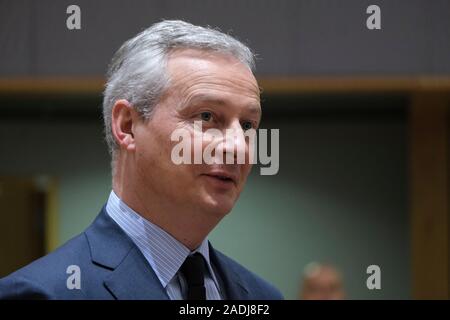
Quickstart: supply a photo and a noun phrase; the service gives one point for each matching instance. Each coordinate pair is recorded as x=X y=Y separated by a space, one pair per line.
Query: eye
x=247 y=125
x=206 y=116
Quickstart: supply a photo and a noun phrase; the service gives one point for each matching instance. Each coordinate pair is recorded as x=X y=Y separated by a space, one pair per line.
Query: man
x=150 y=239
x=322 y=282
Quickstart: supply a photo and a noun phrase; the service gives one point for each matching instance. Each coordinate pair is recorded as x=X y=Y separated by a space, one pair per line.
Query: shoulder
x=46 y=278
x=259 y=289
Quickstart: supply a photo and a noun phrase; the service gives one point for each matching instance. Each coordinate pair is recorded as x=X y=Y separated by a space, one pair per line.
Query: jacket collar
x=235 y=286
x=131 y=276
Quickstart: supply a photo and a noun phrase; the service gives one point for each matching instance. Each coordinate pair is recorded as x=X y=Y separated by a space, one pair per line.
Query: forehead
x=201 y=73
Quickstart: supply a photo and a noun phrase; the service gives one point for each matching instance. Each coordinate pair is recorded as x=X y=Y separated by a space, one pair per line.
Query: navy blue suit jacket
x=112 y=267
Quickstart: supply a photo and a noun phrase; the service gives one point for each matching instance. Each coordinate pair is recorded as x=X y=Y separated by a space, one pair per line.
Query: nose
x=234 y=144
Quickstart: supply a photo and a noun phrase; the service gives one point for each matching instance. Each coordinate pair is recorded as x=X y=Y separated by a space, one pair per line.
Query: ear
x=123 y=124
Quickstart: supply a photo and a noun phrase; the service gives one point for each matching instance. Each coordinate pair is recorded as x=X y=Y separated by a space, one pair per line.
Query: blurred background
x=364 y=135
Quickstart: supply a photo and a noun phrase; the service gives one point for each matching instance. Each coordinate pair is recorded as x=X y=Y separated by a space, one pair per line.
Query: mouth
x=222 y=177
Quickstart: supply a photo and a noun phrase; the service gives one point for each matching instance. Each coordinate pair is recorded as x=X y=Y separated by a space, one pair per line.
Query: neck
x=188 y=225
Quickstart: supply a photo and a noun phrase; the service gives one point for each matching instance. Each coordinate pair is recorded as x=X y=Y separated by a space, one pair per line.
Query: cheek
x=152 y=148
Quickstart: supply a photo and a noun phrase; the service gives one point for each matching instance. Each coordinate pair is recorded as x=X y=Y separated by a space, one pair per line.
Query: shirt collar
x=164 y=253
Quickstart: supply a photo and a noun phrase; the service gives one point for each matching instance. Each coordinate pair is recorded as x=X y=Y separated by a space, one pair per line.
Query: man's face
x=326 y=284
x=219 y=92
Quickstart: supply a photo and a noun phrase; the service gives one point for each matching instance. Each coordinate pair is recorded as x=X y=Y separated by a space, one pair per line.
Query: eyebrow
x=253 y=108
x=206 y=98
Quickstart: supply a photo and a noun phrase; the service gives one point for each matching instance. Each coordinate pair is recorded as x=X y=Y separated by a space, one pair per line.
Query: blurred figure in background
x=321 y=282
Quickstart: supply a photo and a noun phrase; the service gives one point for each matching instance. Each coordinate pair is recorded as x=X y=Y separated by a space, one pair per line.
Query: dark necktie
x=193 y=270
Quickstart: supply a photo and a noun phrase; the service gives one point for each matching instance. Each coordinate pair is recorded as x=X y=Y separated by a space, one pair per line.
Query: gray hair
x=137 y=71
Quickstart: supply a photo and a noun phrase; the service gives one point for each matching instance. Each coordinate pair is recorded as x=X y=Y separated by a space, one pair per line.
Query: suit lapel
x=135 y=279
x=235 y=287
x=131 y=276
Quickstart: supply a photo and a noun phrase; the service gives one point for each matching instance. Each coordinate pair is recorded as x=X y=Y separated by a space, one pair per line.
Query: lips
x=223 y=175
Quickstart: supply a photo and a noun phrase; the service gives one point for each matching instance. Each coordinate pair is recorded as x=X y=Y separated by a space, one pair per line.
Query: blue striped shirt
x=164 y=253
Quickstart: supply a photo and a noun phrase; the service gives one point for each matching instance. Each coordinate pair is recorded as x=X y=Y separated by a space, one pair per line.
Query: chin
x=219 y=207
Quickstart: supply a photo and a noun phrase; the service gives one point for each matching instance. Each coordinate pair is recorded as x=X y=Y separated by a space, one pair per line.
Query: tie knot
x=193 y=269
